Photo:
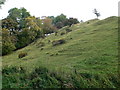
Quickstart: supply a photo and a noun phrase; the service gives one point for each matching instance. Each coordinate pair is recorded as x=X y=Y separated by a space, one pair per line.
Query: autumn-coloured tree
x=47 y=26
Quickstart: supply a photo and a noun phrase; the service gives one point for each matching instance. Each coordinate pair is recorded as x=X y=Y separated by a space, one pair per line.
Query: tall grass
x=16 y=77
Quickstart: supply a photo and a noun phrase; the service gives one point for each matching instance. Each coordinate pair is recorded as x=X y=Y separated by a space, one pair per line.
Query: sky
x=80 y=9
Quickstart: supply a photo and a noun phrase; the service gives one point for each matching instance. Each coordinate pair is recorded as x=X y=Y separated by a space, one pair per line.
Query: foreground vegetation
x=16 y=77
x=84 y=55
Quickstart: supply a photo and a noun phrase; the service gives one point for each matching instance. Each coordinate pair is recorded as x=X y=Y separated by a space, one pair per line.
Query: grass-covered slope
x=90 y=48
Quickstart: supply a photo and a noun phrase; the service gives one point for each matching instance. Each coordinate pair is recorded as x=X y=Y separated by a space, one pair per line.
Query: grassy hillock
x=84 y=55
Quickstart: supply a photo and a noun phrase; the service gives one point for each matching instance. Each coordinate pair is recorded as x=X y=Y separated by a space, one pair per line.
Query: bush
x=7 y=48
x=9 y=70
x=21 y=55
x=68 y=30
x=56 y=33
x=41 y=48
x=88 y=22
x=49 y=41
x=62 y=33
x=58 y=42
x=7 y=41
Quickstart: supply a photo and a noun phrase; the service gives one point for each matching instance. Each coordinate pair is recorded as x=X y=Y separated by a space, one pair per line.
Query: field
x=88 y=58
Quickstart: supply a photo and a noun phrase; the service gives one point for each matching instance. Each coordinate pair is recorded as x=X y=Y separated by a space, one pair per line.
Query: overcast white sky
x=81 y=9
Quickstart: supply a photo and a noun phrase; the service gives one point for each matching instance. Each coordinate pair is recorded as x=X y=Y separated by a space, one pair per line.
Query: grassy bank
x=87 y=58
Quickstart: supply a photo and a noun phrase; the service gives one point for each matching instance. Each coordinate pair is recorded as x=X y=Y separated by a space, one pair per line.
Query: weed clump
x=58 y=42
x=41 y=48
x=68 y=30
x=49 y=41
x=71 y=38
x=52 y=55
x=62 y=33
x=88 y=22
x=55 y=54
x=23 y=54
x=47 y=52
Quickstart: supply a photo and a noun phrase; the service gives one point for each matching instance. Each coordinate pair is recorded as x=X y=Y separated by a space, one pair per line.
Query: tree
x=48 y=27
x=18 y=16
x=31 y=32
x=7 y=42
x=60 y=18
x=24 y=14
x=2 y=2
x=10 y=24
x=59 y=25
x=24 y=38
x=33 y=26
x=96 y=13
x=70 y=21
x=59 y=21
x=20 y=29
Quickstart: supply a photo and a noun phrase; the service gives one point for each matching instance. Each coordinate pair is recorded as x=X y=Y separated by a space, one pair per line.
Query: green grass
x=17 y=77
x=89 y=48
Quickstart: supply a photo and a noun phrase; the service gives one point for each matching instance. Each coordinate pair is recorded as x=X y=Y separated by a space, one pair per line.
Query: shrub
x=47 y=52
x=52 y=55
x=58 y=42
x=49 y=41
x=21 y=55
x=62 y=33
x=7 y=41
x=8 y=70
x=41 y=48
x=88 y=22
x=68 y=30
x=7 y=47
x=56 y=54
x=56 y=33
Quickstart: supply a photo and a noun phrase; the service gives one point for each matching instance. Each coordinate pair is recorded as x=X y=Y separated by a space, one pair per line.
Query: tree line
x=19 y=28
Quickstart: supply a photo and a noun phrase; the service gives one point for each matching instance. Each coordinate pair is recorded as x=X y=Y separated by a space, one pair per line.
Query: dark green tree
x=59 y=21
x=18 y=16
x=71 y=21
